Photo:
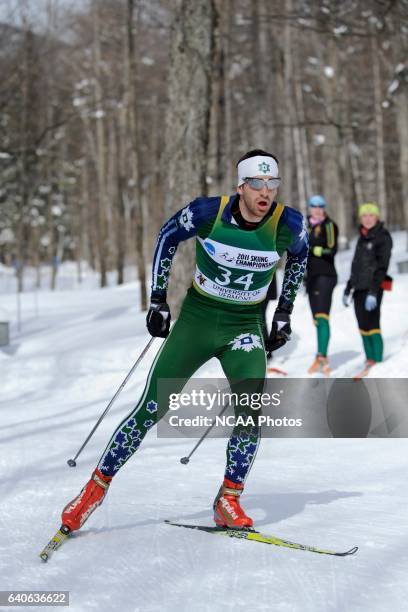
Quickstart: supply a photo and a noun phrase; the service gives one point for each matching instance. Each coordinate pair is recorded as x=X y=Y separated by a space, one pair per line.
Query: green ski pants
x=204 y=329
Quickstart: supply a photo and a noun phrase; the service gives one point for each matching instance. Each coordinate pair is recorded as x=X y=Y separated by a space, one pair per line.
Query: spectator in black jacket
x=368 y=280
x=321 y=276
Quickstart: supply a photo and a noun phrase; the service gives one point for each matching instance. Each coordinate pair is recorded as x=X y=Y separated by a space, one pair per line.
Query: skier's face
x=368 y=221
x=254 y=203
x=317 y=213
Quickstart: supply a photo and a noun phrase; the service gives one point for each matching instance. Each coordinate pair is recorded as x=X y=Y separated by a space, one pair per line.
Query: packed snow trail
x=57 y=377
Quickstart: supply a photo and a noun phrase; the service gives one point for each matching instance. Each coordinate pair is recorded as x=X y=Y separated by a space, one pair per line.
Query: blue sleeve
x=181 y=226
x=297 y=252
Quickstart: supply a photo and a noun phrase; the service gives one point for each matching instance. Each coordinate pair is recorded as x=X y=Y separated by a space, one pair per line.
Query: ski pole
x=72 y=462
x=185 y=460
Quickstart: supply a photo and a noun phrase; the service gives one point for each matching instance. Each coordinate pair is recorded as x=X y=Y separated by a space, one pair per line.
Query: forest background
x=114 y=114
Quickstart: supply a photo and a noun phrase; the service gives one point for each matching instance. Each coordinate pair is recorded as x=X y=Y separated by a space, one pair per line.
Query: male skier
x=239 y=241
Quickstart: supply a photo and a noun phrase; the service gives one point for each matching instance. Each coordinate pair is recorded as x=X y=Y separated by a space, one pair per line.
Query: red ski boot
x=227 y=510
x=365 y=371
x=81 y=507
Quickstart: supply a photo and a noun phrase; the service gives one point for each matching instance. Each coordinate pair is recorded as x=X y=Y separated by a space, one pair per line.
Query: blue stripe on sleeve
x=181 y=226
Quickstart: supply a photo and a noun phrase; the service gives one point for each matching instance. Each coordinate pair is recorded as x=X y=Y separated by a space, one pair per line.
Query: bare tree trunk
x=216 y=166
x=34 y=248
x=92 y=210
x=121 y=237
x=301 y=136
x=227 y=94
x=100 y=152
x=23 y=166
x=303 y=146
x=88 y=238
x=333 y=156
x=54 y=257
x=187 y=123
x=262 y=131
x=332 y=187
x=401 y=103
x=80 y=224
x=135 y=131
x=287 y=130
x=111 y=185
x=156 y=213
x=112 y=189
x=352 y=152
x=379 y=129
x=400 y=99
x=290 y=51
x=355 y=170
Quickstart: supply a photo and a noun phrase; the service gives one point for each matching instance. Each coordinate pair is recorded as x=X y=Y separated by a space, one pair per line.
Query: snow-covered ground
x=74 y=348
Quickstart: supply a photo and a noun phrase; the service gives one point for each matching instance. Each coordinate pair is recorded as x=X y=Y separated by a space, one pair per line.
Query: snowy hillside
x=74 y=349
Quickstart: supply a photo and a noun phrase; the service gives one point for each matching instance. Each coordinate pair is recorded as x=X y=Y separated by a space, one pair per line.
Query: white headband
x=256 y=166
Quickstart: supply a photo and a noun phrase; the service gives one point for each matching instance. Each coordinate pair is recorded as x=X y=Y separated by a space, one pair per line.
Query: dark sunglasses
x=258 y=184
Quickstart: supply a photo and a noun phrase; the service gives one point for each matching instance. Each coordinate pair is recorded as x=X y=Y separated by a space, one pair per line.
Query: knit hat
x=317 y=200
x=369 y=208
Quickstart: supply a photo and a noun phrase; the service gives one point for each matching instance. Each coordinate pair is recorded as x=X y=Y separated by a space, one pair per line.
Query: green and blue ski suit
x=221 y=315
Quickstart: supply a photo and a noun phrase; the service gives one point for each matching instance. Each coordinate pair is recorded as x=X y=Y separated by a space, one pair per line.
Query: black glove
x=281 y=330
x=158 y=318
x=346 y=295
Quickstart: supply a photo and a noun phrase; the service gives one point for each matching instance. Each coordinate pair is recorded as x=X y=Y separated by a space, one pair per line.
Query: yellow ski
x=56 y=542
x=255 y=536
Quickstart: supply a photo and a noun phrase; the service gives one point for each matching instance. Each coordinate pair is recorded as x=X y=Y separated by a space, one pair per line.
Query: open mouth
x=262 y=203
